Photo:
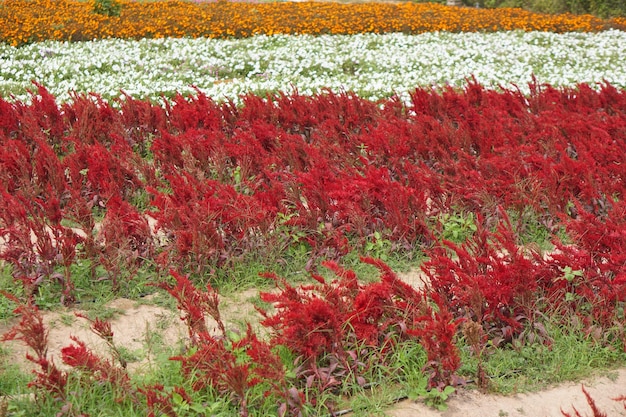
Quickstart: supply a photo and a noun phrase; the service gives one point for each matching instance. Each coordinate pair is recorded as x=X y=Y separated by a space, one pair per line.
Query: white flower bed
x=372 y=65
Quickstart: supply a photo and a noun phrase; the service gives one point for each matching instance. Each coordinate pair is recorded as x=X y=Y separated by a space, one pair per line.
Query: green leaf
x=447 y=391
x=177 y=399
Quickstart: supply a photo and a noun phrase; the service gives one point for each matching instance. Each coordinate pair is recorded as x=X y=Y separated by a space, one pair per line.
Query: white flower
x=372 y=65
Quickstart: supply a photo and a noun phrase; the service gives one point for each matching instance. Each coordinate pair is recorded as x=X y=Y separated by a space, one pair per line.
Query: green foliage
x=7 y=284
x=570 y=275
x=537 y=230
x=601 y=8
x=378 y=247
x=435 y=398
x=408 y=368
x=107 y=7
x=607 y=8
x=12 y=379
x=571 y=355
x=457 y=227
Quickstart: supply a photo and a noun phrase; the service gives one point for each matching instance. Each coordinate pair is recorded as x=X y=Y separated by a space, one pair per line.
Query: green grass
x=7 y=284
x=572 y=356
x=13 y=380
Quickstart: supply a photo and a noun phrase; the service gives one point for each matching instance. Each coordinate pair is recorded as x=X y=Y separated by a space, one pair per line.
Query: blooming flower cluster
x=457 y=123
x=79 y=20
x=373 y=66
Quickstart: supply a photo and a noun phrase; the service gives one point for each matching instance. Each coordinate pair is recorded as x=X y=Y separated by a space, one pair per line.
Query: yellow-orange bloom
x=23 y=21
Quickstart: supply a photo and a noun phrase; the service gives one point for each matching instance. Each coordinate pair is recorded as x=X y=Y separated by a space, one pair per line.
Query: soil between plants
x=546 y=403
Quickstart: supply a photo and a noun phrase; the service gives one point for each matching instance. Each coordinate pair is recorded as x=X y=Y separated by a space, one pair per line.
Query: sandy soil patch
x=546 y=403
x=139 y=328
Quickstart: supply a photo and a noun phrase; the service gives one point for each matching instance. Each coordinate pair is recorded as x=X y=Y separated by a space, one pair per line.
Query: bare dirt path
x=547 y=403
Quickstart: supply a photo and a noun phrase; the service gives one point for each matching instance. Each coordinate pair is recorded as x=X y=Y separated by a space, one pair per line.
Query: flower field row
x=328 y=171
x=75 y=20
x=325 y=174
x=374 y=66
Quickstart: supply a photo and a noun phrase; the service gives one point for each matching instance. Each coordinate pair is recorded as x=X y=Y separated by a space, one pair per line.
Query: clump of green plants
x=602 y=8
x=457 y=227
x=107 y=7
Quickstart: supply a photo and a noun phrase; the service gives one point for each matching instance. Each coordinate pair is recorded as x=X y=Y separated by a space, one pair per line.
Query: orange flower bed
x=24 y=21
x=619 y=22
